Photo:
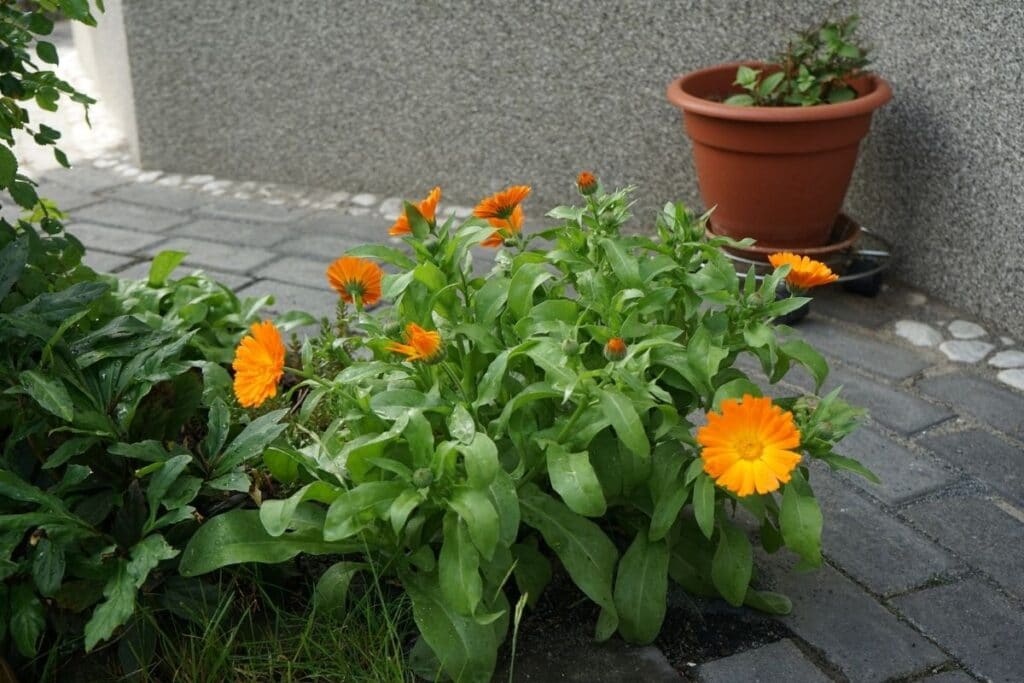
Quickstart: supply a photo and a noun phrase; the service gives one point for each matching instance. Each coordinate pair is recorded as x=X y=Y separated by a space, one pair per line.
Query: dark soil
x=695 y=630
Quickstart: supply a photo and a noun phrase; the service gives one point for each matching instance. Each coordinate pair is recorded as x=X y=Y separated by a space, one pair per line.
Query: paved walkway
x=925 y=573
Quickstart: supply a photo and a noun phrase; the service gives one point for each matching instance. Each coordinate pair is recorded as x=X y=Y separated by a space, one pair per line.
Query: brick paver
x=923 y=574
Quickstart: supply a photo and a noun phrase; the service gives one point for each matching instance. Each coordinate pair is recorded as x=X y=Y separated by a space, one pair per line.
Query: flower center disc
x=749 y=447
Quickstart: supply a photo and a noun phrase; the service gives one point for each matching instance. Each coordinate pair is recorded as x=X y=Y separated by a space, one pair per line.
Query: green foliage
x=815 y=69
x=521 y=446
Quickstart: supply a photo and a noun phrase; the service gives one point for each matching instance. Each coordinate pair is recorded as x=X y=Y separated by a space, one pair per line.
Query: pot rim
x=689 y=103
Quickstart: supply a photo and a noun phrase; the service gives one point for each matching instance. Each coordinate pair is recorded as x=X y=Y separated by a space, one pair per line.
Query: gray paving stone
x=991 y=459
x=781 y=661
x=976 y=624
x=871 y=313
x=66 y=198
x=85 y=178
x=317 y=302
x=300 y=271
x=110 y=239
x=854 y=632
x=905 y=474
x=367 y=229
x=233 y=232
x=948 y=677
x=984 y=535
x=589 y=662
x=103 y=262
x=248 y=210
x=885 y=359
x=972 y=395
x=227 y=257
x=173 y=199
x=234 y=281
x=874 y=547
x=134 y=216
x=323 y=248
x=894 y=408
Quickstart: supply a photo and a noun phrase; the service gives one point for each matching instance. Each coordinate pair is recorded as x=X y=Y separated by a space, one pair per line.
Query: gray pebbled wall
x=398 y=96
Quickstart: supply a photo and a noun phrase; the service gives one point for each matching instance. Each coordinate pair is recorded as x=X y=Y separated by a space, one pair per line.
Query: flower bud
x=586 y=182
x=615 y=349
x=422 y=478
x=393 y=329
x=570 y=347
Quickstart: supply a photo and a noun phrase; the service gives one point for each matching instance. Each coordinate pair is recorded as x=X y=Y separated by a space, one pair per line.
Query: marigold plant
x=489 y=427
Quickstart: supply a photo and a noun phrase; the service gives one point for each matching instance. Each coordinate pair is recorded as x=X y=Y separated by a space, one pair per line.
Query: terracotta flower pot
x=776 y=174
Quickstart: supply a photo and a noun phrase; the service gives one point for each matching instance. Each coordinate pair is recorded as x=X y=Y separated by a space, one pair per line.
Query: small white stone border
x=964 y=341
x=275 y=194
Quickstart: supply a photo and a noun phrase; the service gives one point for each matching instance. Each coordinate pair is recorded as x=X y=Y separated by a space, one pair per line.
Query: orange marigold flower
x=506 y=227
x=501 y=204
x=615 y=349
x=422 y=344
x=804 y=272
x=258 y=364
x=352 y=276
x=749 y=446
x=427 y=208
x=586 y=182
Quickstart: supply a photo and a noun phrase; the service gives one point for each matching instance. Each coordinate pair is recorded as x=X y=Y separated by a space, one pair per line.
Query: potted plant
x=775 y=143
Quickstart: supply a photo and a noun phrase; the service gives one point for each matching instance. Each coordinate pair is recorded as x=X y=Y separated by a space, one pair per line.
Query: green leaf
x=354 y=509
x=24 y=194
x=641 y=589
x=458 y=567
x=461 y=425
x=704 y=503
x=526 y=280
x=163 y=265
x=238 y=536
x=256 y=436
x=626 y=423
x=575 y=480
x=746 y=76
x=282 y=465
x=667 y=507
x=8 y=167
x=47 y=52
x=477 y=511
x=490 y=384
x=276 y=515
x=218 y=422
x=625 y=267
x=532 y=572
x=489 y=300
x=505 y=498
x=841 y=462
x=162 y=480
x=735 y=389
x=48 y=566
x=768 y=602
x=800 y=520
x=804 y=353
x=585 y=551
x=739 y=100
x=733 y=564
x=481 y=458
x=331 y=591
x=466 y=649
x=27 y=619
x=114 y=610
x=48 y=392
x=770 y=82
x=383 y=253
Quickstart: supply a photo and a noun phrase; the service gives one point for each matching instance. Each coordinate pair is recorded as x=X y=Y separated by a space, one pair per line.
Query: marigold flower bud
x=615 y=349
x=586 y=182
x=422 y=478
x=570 y=347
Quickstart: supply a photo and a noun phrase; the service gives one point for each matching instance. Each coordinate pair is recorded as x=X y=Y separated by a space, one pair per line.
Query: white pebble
x=965 y=351
x=918 y=334
x=1008 y=359
x=1015 y=378
x=963 y=329
x=200 y=179
x=364 y=199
